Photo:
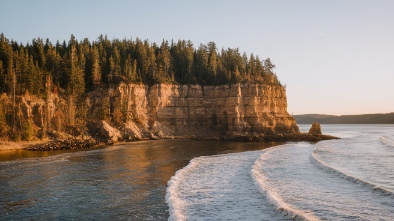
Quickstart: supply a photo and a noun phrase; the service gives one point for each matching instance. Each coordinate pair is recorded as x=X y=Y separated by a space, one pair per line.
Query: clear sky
x=336 y=57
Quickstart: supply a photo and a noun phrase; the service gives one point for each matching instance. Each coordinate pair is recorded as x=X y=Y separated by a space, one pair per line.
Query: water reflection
x=124 y=181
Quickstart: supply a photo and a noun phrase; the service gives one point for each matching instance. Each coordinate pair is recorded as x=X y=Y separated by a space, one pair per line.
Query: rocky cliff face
x=136 y=111
x=164 y=110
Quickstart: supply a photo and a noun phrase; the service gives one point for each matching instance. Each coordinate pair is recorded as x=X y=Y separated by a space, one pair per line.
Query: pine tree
x=76 y=83
x=96 y=71
x=212 y=62
x=38 y=52
x=268 y=65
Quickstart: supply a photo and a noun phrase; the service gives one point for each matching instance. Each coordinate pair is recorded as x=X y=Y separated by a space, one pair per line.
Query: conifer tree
x=268 y=65
x=212 y=62
x=76 y=83
x=96 y=71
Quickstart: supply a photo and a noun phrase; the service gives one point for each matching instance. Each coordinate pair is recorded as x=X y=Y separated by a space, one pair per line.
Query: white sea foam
x=219 y=188
x=325 y=166
x=173 y=199
x=305 y=192
x=262 y=181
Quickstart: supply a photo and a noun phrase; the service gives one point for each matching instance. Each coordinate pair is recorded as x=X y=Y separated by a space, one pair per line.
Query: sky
x=335 y=57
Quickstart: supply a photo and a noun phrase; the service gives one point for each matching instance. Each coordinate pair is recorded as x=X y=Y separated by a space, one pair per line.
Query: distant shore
x=387 y=118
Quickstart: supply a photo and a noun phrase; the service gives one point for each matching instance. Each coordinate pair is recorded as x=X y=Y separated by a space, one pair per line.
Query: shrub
x=27 y=131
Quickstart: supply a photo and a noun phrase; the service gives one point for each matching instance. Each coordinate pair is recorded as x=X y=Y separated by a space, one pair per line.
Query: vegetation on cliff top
x=80 y=66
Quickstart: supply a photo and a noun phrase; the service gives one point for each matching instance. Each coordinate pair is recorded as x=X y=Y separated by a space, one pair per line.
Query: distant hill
x=346 y=119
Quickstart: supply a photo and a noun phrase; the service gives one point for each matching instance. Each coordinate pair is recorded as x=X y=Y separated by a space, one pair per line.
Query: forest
x=73 y=68
x=81 y=66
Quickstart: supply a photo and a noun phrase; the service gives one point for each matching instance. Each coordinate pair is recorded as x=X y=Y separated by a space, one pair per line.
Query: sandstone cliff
x=136 y=111
x=166 y=110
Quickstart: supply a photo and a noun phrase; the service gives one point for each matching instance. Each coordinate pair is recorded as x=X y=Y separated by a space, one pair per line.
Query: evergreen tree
x=212 y=62
x=76 y=82
x=96 y=71
x=38 y=52
x=200 y=65
x=268 y=65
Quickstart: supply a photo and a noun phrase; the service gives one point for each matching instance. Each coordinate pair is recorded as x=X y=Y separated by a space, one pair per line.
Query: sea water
x=126 y=181
x=347 y=179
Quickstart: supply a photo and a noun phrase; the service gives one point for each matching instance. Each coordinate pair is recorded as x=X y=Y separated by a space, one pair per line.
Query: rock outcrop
x=171 y=110
x=131 y=132
x=315 y=129
x=101 y=130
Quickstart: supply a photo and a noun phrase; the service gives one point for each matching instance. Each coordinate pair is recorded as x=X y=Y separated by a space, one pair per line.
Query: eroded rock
x=203 y=111
x=315 y=129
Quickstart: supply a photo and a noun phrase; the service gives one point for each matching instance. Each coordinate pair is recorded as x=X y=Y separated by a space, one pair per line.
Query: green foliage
x=80 y=66
x=3 y=121
x=27 y=131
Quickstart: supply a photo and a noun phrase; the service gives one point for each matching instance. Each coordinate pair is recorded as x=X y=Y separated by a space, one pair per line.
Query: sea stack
x=315 y=129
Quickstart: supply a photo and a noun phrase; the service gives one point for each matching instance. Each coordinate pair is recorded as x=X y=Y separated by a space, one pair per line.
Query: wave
x=321 y=164
x=173 y=200
x=262 y=182
x=386 y=141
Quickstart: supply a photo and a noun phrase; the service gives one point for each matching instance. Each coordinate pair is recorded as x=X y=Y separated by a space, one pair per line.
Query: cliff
x=241 y=112
x=165 y=110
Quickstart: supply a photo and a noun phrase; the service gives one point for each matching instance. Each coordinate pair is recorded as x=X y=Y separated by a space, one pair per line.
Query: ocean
x=347 y=179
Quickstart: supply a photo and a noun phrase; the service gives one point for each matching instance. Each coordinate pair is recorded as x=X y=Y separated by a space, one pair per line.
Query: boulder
x=315 y=129
x=132 y=132
x=106 y=132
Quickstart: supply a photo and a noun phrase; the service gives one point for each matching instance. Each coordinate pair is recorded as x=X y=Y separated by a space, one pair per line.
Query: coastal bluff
x=172 y=110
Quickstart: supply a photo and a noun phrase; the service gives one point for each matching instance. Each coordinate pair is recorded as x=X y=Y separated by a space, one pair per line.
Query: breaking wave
x=321 y=164
x=272 y=194
x=173 y=199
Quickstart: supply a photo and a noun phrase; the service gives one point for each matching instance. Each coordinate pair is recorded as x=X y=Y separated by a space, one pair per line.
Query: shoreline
x=11 y=145
x=71 y=144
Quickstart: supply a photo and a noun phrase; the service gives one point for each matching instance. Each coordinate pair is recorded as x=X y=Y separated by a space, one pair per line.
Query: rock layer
x=185 y=110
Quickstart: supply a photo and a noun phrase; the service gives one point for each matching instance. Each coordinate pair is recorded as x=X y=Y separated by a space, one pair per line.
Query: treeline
x=346 y=119
x=80 y=66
